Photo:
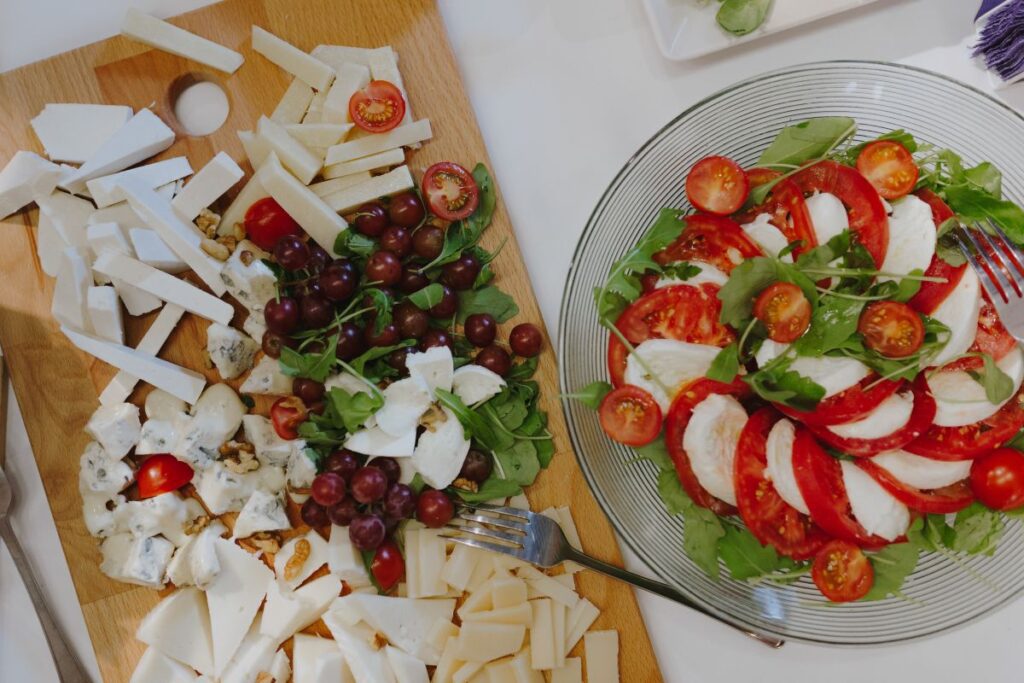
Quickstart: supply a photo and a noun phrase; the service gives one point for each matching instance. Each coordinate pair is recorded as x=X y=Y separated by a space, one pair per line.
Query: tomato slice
x=266 y=222
x=450 y=190
x=714 y=240
x=675 y=427
x=942 y=501
x=820 y=479
x=889 y=167
x=717 y=185
x=970 y=441
x=772 y=520
x=162 y=473
x=868 y=220
x=849 y=405
x=630 y=416
x=378 y=107
x=842 y=572
x=891 y=328
x=683 y=312
x=931 y=294
x=287 y=414
x=998 y=479
x=786 y=208
x=992 y=338
x=784 y=311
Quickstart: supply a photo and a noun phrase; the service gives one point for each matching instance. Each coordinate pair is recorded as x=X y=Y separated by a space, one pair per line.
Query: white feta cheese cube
x=105 y=313
x=230 y=350
x=25 y=177
x=116 y=427
x=262 y=512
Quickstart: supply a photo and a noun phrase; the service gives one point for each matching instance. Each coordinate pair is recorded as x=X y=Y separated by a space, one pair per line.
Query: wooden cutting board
x=56 y=385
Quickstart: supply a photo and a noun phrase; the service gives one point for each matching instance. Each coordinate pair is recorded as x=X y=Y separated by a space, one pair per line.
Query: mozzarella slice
x=828 y=215
x=767 y=236
x=405 y=401
x=475 y=384
x=835 y=375
x=374 y=441
x=769 y=351
x=875 y=508
x=912 y=237
x=890 y=415
x=920 y=472
x=707 y=274
x=959 y=311
x=434 y=366
x=441 y=450
x=710 y=442
x=960 y=400
x=779 y=470
x=673 y=362
x=74 y=132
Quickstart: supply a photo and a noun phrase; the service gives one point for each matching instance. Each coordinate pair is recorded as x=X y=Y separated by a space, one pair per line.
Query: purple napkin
x=1001 y=37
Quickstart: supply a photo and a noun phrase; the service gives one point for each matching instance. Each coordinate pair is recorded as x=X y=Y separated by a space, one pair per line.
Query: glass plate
x=739 y=123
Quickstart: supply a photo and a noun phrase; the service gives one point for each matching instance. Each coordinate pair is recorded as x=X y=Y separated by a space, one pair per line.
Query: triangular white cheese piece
x=234 y=597
x=179 y=627
x=405 y=622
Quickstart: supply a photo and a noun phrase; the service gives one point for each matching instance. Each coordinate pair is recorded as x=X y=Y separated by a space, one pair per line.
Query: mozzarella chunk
x=375 y=441
x=779 y=470
x=267 y=378
x=890 y=415
x=141 y=561
x=710 y=442
x=767 y=236
x=960 y=400
x=828 y=215
x=441 y=451
x=230 y=350
x=835 y=375
x=405 y=401
x=475 y=384
x=959 y=312
x=434 y=366
x=116 y=427
x=674 y=362
x=262 y=512
x=708 y=274
x=102 y=473
x=912 y=237
x=874 y=507
x=920 y=472
x=162 y=406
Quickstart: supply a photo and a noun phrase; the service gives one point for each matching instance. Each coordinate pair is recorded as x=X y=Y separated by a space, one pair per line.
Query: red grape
x=480 y=329
x=367 y=532
x=446 y=307
x=412 y=280
x=343 y=463
x=291 y=253
x=400 y=502
x=428 y=242
x=397 y=240
x=309 y=390
x=338 y=284
x=434 y=508
x=389 y=466
x=384 y=267
x=350 y=341
x=272 y=343
x=368 y=484
x=343 y=512
x=282 y=315
x=461 y=274
x=314 y=514
x=371 y=219
x=406 y=209
x=477 y=466
x=387 y=336
x=525 y=340
x=495 y=359
x=411 y=320
x=435 y=337
x=316 y=311
x=328 y=489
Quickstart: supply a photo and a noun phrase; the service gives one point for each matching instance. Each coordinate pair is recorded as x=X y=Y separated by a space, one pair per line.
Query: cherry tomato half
x=889 y=167
x=287 y=414
x=892 y=329
x=717 y=185
x=450 y=191
x=784 y=311
x=997 y=479
x=388 y=565
x=266 y=222
x=842 y=572
x=378 y=107
x=630 y=416
x=162 y=473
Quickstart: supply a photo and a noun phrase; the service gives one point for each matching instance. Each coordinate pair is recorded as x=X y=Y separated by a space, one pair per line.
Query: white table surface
x=565 y=91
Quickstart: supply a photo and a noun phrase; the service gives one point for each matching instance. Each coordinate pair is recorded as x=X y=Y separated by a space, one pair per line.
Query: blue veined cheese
x=98 y=512
x=231 y=351
x=441 y=450
x=475 y=384
x=271 y=449
x=141 y=561
x=248 y=278
x=160 y=436
x=165 y=515
x=101 y=473
x=216 y=417
x=255 y=326
x=262 y=512
x=225 y=491
x=267 y=378
x=301 y=468
x=116 y=427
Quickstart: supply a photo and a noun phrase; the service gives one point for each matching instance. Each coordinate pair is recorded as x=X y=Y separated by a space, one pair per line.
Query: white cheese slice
x=307 y=650
x=151 y=249
x=405 y=622
x=351 y=78
x=74 y=132
x=835 y=375
x=291 y=570
x=344 y=560
x=578 y=621
x=331 y=666
x=106 y=237
x=407 y=669
x=767 y=236
x=356 y=642
x=26 y=177
x=105 y=313
x=233 y=598
x=107 y=190
x=326 y=187
x=50 y=245
x=373 y=162
x=280 y=668
x=286 y=613
x=483 y=642
x=960 y=400
x=375 y=441
x=167 y=287
x=123 y=383
x=959 y=312
x=385 y=185
x=912 y=237
x=311 y=70
x=294 y=103
x=319 y=135
x=890 y=415
x=779 y=468
x=155 y=666
x=920 y=472
x=302 y=204
x=170 y=38
x=181 y=236
x=337 y=55
x=267 y=378
x=875 y=508
x=476 y=384
x=314 y=114
x=546 y=586
x=674 y=362
x=121 y=213
x=144 y=135
x=441 y=451
x=295 y=156
x=256 y=148
x=405 y=401
x=710 y=442
x=174 y=379
x=214 y=179
x=828 y=216
x=252 y=659
x=179 y=627
x=403 y=136
x=459 y=567
x=571 y=672
x=435 y=366
x=70 y=304
x=542 y=634
x=602 y=656
x=70 y=215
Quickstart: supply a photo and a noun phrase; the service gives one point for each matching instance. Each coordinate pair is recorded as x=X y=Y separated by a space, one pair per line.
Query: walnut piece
x=265 y=541
x=207 y=222
x=197 y=525
x=246 y=257
x=293 y=567
x=228 y=241
x=239 y=457
x=238 y=231
x=215 y=249
x=433 y=417
x=466 y=484
x=378 y=641
x=264 y=677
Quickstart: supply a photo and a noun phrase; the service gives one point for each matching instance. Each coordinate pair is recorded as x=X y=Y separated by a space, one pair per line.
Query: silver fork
x=999 y=264
x=540 y=541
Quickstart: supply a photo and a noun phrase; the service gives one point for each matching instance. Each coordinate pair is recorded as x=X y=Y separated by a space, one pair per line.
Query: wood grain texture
x=57 y=385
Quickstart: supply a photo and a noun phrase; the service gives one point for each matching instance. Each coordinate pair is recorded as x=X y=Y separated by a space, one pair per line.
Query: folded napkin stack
x=1000 y=43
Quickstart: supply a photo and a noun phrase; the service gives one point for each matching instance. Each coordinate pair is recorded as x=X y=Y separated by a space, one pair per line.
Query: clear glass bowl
x=740 y=122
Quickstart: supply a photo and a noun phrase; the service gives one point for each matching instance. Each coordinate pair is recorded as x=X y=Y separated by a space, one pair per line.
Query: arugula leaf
x=812 y=139
x=703 y=528
x=592 y=394
x=833 y=322
x=977 y=530
x=972 y=205
x=428 y=297
x=987 y=178
x=823 y=255
x=494 y=488
x=360 y=362
x=475 y=425
x=740 y=17
x=998 y=385
x=524 y=370
x=908 y=287
x=488 y=299
x=353 y=243
x=315 y=366
x=656 y=452
x=352 y=410
x=778 y=384
x=382 y=304
x=519 y=462
x=748 y=279
x=680 y=271
x=946 y=246
x=320 y=430
x=726 y=364
x=746 y=558
x=464 y=234
x=892 y=565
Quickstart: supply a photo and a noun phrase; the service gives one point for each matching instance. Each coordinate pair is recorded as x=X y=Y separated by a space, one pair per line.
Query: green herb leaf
x=726 y=364
x=428 y=297
x=977 y=530
x=360 y=362
x=680 y=271
x=352 y=410
x=523 y=370
x=353 y=243
x=495 y=488
x=833 y=322
x=746 y=558
x=592 y=394
x=972 y=204
x=519 y=462
x=812 y=139
x=382 y=304
x=748 y=279
x=656 y=452
x=998 y=385
x=487 y=299
x=892 y=565
x=740 y=17
x=315 y=366
x=987 y=178
x=475 y=425
x=778 y=384
x=946 y=246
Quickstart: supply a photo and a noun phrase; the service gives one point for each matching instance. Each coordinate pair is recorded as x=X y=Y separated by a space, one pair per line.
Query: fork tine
x=993 y=274
x=1015 y=252
x=483 y=545
x=493 y=521
x=999 y=257
x=993 y=293
x=489 y=533
x=500 y=510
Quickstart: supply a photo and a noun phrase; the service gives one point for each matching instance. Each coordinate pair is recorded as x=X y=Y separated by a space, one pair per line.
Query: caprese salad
x=294 y=507
x=809 y=351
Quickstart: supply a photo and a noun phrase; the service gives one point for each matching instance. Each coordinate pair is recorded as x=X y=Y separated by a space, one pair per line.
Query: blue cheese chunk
x=116 y=427
x=271 y=449
x=101 y=473
x=262 y=512
x=163 y=406
x=160 y=436
x=225 y=491
x=98 y=512
x=230 y=350
x=248 y=278
x=301 y=468
x=164 y=515
x=141 y=561
x=216 y=417
x=267 y=378
x=255 y=326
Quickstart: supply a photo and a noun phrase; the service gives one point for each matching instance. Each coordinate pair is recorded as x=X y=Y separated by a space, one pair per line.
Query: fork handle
x=664 y=590
x=69 y=669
